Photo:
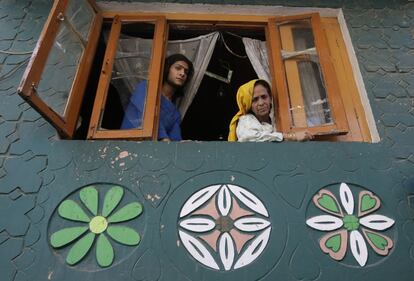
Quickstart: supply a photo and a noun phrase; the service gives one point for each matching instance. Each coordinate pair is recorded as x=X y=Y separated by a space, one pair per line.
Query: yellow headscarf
x=244 y=101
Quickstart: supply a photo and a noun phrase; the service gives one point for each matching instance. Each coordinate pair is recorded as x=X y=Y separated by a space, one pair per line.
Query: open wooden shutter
x=307 y=90
x=55 y=79
x=154 y=28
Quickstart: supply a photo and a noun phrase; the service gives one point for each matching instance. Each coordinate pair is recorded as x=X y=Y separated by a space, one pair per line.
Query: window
x=68 y=43
x=308 y=67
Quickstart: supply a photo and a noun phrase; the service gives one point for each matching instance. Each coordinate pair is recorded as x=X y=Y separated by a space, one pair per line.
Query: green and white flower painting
x=355 y=223
x=99 y=227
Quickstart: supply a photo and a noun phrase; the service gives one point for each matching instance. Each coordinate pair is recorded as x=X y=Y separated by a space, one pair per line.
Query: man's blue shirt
x=170 y=117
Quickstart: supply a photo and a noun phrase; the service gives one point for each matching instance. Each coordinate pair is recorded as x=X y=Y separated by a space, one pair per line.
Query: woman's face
x=178 y=74
x=261 y=103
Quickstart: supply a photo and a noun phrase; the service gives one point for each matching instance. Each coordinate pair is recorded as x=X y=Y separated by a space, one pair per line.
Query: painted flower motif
x=227 y=219
x=99 y=225
x=360 y=225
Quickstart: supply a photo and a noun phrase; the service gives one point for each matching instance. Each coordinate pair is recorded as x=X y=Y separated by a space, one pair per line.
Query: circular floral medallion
x=224 y=226
x=91 y=216
x=351 y=220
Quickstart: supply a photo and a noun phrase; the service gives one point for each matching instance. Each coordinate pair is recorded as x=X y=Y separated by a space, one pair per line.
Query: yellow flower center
x=98 y=224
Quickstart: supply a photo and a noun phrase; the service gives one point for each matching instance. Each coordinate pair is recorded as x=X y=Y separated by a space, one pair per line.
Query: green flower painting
x=98 y=225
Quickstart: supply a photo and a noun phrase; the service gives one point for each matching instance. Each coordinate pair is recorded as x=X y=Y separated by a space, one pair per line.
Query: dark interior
x=208 y=117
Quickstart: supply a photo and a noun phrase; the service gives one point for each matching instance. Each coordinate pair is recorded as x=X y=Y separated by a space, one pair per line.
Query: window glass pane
x=60 y=70
x=309 y=105
x=126 y=99
x=81 y=15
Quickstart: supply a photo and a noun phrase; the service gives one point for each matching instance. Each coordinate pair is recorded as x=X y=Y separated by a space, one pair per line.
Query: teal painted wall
x=38 y=172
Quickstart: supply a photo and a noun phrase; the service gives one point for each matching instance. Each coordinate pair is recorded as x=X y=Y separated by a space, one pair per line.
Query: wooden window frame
x=348 y=111
x=339 y=125
x=150 y=122
x=65 y=124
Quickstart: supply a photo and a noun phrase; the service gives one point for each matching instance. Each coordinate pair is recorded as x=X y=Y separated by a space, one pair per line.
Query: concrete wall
x=38 y=172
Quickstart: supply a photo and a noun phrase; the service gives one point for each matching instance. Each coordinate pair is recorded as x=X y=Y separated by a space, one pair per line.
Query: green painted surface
x=329 y=203
x=351 y=222
x=378 y=241
x=67 y=235
x=80 y=248
x=97 y=225
x=334 y=243
x=124 y=235
x=367 y=203
x=112 y=199
x=128 y=212
x=72 y=211
x=104 y=251
x=39 y=172
x=89 y=197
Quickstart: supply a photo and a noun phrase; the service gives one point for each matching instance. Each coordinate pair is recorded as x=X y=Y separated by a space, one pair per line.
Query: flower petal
x=325 y=222
x=104 y=251
x=226 y=250
x=70 y=210
x=368 y=203
x=251 y=224
x=80 y=249
x=124 y=235
x=326 y=201
x=377 y=222
x=65 y=236
x=128 y=212
x=197 y=250
x=379 y=242
x=198 y=199
x=112 y=199
x=89 y=197
x=249 y=200
x=358 y=247
x=224 y=201
x=198 y=224
x=334 y=244
x=347 y=199
x=254 y=249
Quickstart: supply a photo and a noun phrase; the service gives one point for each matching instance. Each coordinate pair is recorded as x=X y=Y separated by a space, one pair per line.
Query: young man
x=178 y=70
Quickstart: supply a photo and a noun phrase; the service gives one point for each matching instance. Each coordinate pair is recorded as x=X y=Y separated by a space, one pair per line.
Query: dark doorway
x=209 y=115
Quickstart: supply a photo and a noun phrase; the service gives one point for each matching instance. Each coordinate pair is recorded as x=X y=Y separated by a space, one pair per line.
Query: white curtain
x=133 y=57
x=256 y=50
x=316 y=104
x=199 y=51
x=315 y=100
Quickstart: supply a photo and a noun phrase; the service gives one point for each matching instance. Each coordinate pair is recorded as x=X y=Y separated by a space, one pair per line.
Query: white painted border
x=358 y=79
x=261 y=10
x=158 y=7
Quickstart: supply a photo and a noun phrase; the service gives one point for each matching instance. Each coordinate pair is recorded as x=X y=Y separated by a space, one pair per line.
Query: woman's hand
x=298 y=136
x=303 y=136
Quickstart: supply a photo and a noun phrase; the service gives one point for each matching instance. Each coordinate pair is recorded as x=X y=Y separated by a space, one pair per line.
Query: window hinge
x=33 y=88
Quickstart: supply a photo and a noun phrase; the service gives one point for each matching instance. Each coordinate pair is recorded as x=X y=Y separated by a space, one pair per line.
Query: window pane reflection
x=60 y=70
x=81 y=15
x=309 y=105
x=126 y=99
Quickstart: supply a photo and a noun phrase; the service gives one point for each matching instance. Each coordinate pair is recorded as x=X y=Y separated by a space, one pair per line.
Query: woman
x=253 y=121
x=178 y=70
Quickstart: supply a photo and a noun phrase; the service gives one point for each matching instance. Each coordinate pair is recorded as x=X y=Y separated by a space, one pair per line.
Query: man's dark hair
x=169 y=61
